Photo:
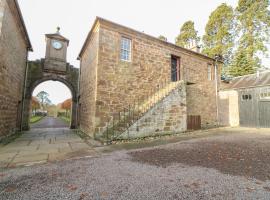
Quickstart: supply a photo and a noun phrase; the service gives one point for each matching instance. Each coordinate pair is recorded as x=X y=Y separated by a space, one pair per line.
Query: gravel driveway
x=229 y=166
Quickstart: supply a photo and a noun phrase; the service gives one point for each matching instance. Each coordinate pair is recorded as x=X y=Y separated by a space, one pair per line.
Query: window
x=246 y=97
x=209 y=72
x=175 y=68
x=125 y=49
x=265 y=95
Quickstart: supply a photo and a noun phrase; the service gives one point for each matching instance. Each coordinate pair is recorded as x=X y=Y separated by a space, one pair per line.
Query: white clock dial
x=57 y=45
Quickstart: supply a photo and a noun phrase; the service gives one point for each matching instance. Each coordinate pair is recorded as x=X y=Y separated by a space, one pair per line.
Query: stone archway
x=38 y=74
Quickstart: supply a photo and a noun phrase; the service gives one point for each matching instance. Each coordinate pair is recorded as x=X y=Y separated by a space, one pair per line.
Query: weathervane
x=58 y=30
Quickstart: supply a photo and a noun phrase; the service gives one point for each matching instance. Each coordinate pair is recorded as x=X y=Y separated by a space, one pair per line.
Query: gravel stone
x=166 y=172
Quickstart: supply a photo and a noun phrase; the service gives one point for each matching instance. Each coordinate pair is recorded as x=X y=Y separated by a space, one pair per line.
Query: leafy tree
x=254 y=23
x=43 y=98
x=220 y=33
x=66 y=105
x=161 y=37
x=187 y=34
x=35 y=104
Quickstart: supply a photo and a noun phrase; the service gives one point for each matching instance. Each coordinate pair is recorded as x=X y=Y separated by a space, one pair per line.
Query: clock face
x=57 y=45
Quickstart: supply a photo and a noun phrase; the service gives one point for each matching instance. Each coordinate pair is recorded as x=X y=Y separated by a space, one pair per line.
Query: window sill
x=128 y=61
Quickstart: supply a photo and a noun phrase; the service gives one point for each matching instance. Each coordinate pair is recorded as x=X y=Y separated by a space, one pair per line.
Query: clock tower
x=56 y=53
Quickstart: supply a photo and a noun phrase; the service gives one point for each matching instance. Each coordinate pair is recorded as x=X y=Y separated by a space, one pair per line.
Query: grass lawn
x=66 y=119
x=35 y=119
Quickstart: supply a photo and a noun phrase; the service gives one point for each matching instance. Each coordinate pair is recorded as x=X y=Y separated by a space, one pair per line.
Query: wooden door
x=193 y=122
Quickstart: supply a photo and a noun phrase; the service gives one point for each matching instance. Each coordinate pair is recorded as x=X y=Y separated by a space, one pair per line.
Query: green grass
x=66 y=119
x=35 y=119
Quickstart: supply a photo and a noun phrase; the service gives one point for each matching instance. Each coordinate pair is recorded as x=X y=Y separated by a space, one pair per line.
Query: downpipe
x=24 y=90
x=216 y=88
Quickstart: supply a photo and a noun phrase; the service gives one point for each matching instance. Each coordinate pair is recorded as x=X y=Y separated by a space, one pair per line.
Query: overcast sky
x=75 y=17
x=58 y=92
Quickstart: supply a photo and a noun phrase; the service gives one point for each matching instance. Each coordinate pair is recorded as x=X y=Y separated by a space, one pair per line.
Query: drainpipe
x=78 y=97
x=217 y=57
x=24 y=90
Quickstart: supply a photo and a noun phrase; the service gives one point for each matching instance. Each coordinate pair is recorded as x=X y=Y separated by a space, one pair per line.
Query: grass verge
x=65 y=119
x=35 y=119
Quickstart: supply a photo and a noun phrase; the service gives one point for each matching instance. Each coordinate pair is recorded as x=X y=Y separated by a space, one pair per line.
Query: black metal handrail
x=121 y=121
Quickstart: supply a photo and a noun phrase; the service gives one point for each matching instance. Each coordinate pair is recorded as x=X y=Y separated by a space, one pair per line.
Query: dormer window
x=125 y=49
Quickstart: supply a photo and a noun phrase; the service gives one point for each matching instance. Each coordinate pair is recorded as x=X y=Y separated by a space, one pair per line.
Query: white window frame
x=209 y=72
x=126 y=49
x=265 y=94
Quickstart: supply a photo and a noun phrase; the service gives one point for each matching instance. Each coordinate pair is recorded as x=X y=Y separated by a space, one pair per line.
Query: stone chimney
x=193 y=46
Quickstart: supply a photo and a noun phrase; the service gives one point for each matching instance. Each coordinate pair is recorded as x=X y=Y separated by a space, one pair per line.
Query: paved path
x=234 y=164
x=50 y=122
x=43 y=145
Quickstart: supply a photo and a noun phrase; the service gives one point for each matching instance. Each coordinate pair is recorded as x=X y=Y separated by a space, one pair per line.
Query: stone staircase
x=131 y=114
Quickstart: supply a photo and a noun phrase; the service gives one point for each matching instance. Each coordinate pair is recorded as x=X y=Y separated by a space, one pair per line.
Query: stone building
x=123 y=68
x=14 y=47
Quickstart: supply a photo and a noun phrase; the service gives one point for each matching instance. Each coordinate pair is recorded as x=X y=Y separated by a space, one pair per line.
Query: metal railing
x=131 y=113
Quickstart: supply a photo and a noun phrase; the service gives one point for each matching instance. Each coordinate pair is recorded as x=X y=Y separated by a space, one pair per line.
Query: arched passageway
x=36 y=76
x=51 y=105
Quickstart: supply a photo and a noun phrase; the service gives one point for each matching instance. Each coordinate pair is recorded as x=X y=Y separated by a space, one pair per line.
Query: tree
x=242 y=64
x=66 y=105
x=35 y=104
x=43 y=98
x=220 y=33
x=187 y=34
x=161 y=37
x=254 y=23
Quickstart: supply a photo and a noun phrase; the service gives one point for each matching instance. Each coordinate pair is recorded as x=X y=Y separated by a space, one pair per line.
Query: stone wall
x=228 y=108
x=201 y=100
x=2 y=11
x=167 y=116
x=120 y=83
x=88 y=73
x=13 y=51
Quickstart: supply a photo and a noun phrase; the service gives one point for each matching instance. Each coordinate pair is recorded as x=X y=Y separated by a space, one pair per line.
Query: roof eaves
x=88 y=38
x=29 y=45
x=154 y=38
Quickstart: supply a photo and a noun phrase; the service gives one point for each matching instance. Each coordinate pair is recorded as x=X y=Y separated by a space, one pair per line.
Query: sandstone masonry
x=167 y=116
x=108 y=84
x=14 y=47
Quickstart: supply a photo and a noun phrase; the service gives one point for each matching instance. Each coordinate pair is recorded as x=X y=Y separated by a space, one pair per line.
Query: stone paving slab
x=20 y=143
x=65 y=150
x=53 y=146
x=43 y=145
x=22 y=159
x=72 y=155
x=7 y=156
x=78 y=145
x=8 y=149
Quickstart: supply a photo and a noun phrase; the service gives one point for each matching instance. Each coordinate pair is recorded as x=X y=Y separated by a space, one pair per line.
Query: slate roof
x=248 y=81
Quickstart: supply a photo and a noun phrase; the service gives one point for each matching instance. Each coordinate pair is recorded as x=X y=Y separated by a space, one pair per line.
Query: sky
x=58 y=92
x=76 y=17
